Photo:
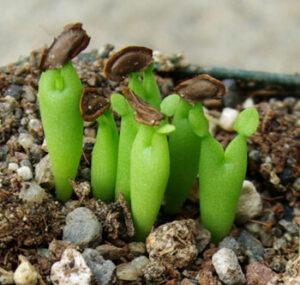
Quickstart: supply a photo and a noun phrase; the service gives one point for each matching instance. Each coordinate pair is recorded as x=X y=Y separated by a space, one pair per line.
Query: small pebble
x=258 y=274
x=278 y=264
x=32 y=193
x=7 y=107
x=174 y=243
x=202 y=237
x=82 y=228
x=227 y=267
x=102 y=269
x=35 y=126
x=137 y=248
x=6 y=277
x=254 y=155
x=29 y=94
x=25 y=140
x=139 y=263
x=228 y=118
x=126 y=271
x=234 y=245
x=43 y=172
x=14 y=91
x=253 y=248
x=287 y=175
x=280 y=244
x=13 y=166
x=250 y=203
x=24 y=172
x=26 y=162
x=25 y=273
x=248 y=103
x=36 y=152
x=289 y=226
x=71 y=269
x=111 y=252
x=155 y=272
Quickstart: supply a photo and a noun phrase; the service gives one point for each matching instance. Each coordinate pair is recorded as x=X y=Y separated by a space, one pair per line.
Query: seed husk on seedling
x=184 y=144
x=59 y=95
x=95 y=105
x=137 y=63
x=199 y=88
x=127 y=60
x=66 y=46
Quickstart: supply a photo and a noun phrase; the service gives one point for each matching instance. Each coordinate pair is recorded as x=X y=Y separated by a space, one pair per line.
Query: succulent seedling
x=128 y=130
x=149 y=168
x=95 y=105
x=59 y=96
x=135 y=62
x=221 y=174
x=184 y=144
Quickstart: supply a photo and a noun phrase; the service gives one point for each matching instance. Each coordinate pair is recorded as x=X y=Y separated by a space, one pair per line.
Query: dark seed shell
x=127 y=60
x=144 y=113
x=67 y=45
x=200 y=87
x=93 y=103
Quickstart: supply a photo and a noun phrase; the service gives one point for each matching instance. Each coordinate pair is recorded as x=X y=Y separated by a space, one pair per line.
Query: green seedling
x=59 y=95
x=137 y=63
x=95 y=105
x=149 y=168
x=221 y=174
x=128 y=130
x=184 y=144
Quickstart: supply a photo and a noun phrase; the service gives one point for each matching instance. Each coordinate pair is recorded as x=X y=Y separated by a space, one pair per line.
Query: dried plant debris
x=144 y=113
x=127 y=60
x=67 y=45
x=93 y=103
x=199 y=88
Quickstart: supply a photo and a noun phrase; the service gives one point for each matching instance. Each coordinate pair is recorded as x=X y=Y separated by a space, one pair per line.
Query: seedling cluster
x=161 y=146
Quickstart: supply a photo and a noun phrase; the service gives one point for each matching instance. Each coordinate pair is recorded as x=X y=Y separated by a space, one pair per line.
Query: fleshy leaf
x=198 y=122
x=119 y=104
x=247 y=122
x=166 y=129
x=169 y=104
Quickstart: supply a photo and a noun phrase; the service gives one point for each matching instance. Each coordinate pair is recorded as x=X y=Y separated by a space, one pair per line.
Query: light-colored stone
x=25 y=140
x=248 y=103
x=102 y=269
x=127 y=271
x=44 y=173
x=25 y=273
x=24 y=172
x=13 y=166
x=32 y=193
x=71 y=269
x=227 y=267
x=82 y=228
x=250 y=203
x=6 y=277
x=139 y=263
x=228 y=118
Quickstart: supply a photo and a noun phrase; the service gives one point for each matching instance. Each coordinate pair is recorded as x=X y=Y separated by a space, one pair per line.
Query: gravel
x=227 y=267
x=82 y=228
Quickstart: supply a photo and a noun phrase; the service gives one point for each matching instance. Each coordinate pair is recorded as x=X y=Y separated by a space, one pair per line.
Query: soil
x=27 y=228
